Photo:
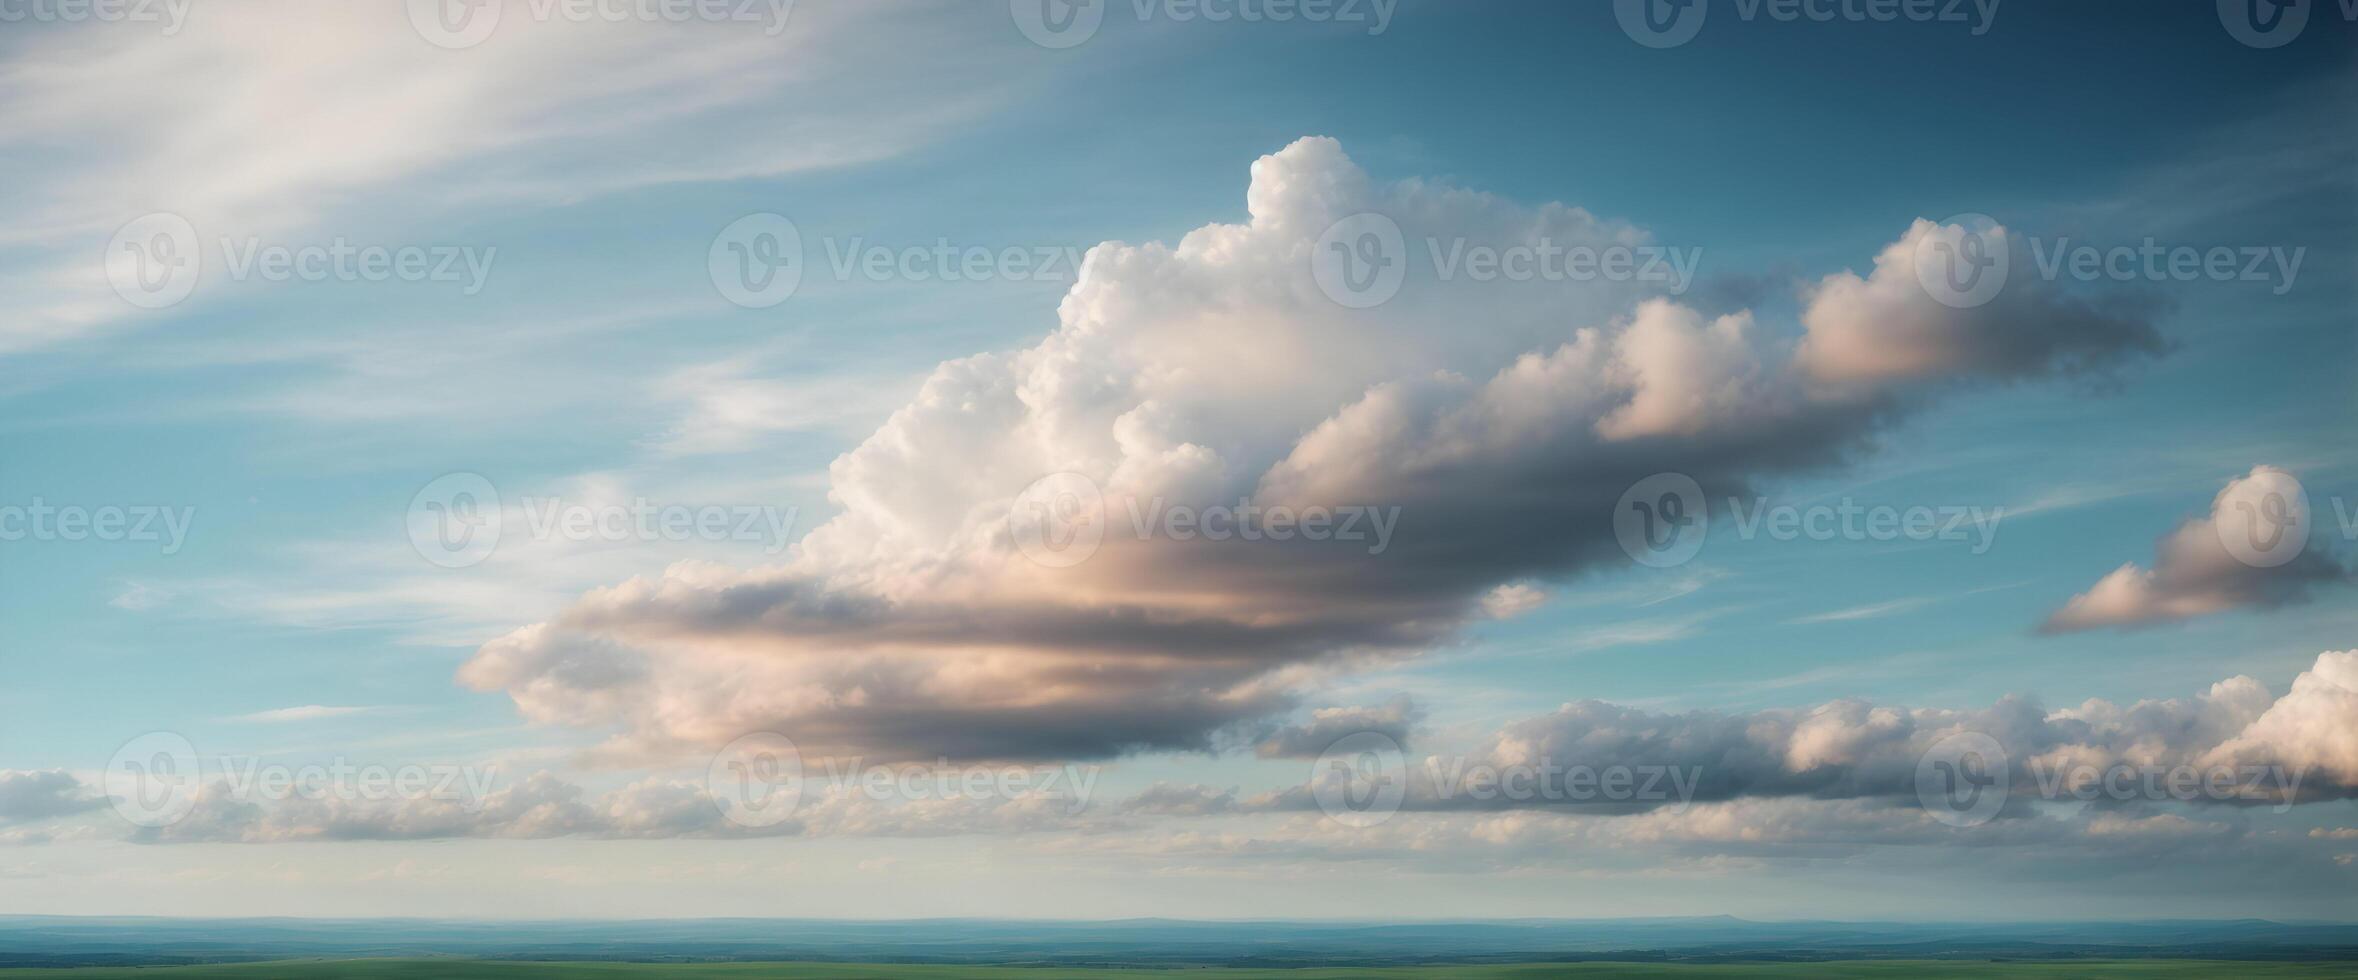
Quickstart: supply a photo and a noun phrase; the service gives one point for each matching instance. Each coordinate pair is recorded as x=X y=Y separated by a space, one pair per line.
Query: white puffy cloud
x=1512 y=599
x=2313 y=727
x=2195 y=574
x=1498 y=421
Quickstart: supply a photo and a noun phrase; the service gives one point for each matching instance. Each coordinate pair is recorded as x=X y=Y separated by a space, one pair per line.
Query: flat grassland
x=462 y=969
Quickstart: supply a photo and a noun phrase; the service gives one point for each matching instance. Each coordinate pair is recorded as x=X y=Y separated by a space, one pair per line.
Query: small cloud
x=139 y=597
x=307 y=712
x=1873 y=611
x=2196 y=573
x=1511 y=600
x=1395 y=719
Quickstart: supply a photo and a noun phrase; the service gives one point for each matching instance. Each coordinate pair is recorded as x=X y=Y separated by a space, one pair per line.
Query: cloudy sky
x=1387 y=460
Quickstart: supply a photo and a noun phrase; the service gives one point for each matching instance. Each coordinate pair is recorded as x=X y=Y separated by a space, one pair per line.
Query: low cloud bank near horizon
x=1850 y=762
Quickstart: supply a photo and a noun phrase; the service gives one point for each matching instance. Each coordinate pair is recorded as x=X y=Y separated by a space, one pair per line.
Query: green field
x=439 y=969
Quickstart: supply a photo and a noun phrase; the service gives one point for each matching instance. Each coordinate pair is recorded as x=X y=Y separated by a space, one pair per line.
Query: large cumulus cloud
x=1502 y=418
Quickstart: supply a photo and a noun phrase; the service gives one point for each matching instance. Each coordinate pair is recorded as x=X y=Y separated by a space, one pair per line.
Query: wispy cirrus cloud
x=305 y=712
x=268 y=119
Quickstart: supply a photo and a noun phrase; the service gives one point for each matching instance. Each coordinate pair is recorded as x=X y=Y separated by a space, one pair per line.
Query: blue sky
x=590 y=166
